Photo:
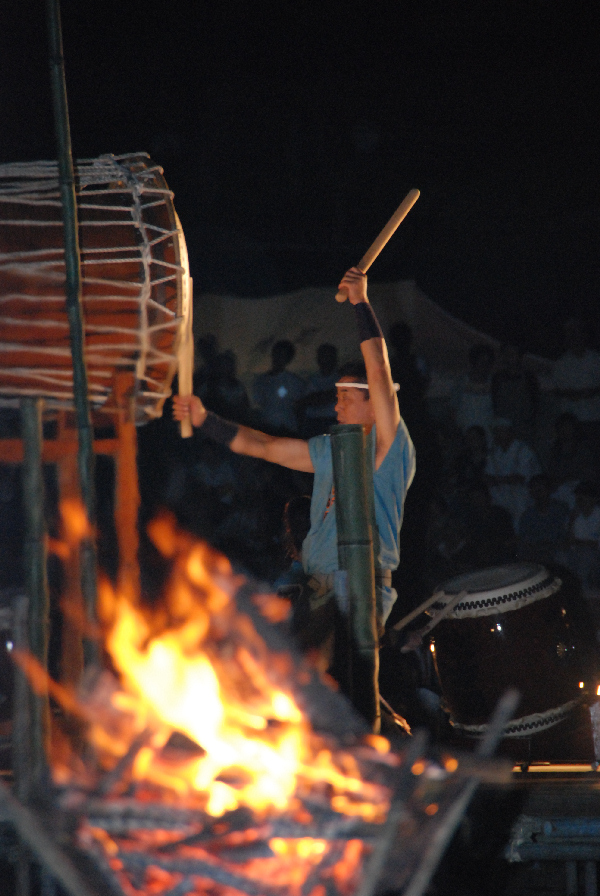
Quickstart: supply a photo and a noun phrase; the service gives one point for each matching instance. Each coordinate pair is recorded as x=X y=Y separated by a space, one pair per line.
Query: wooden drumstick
x=417 y=612
x=441 y=614
x=186 y=363
x=388 y=231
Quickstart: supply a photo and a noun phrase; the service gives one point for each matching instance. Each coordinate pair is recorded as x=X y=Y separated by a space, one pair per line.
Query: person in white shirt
x=510 y=465
x=576 y=376
x=582 y=555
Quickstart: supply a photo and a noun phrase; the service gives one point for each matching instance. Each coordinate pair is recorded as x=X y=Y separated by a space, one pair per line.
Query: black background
x=290 y=131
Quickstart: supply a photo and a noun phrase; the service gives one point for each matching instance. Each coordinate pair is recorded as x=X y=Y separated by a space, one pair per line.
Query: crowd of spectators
x=506 y=470
x=492 y=485
x=510 y=487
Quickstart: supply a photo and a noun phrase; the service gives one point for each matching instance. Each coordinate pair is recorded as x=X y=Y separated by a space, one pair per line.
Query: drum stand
x=61 y=452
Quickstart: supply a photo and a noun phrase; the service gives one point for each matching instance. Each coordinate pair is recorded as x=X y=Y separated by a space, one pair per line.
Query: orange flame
x=195 y=665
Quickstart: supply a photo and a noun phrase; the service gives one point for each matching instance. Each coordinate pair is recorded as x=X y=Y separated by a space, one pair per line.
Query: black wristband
x=368 y=325
x=219 y=430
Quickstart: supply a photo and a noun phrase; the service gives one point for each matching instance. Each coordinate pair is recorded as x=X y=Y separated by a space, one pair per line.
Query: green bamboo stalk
x=74 y=309
x=353 y=483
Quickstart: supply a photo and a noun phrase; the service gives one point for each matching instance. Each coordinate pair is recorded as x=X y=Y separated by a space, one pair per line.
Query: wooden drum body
x=519 y=627
x=135 y=282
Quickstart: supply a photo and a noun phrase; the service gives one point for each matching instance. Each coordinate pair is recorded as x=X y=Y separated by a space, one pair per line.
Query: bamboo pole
x=353 y=483
x=74 y=310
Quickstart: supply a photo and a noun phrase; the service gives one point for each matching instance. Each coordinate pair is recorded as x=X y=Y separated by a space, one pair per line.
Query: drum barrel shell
x=133 y=266
x=538 y=649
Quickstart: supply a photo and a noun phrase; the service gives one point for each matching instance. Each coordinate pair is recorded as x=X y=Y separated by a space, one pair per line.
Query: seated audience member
x=542 y=528
x=317 y=407
x=276 y=392
x=571 y=458
x=510 y=465
x=576 y=376
x=515 y=392
x=582 y=555
x=472 y=395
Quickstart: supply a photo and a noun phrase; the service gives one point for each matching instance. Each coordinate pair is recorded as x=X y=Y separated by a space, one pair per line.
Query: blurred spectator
x=410 y=371
x=576 y=376
x=207 y=350
x=225 y=394
x=542 y=528
x=515 y=392
x=445 y=538
x=571 y=458
x=510 y=465
x=476 y=535
x=582 y=555
x=276 y=392
x=472 y=396
x=317 y=407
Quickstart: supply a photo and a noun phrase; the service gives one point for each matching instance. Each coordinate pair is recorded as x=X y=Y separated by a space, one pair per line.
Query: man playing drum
x=366 y=395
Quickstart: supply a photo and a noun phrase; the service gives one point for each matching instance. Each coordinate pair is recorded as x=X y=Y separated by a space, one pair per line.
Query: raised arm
x=374 y=351
x=291 y=453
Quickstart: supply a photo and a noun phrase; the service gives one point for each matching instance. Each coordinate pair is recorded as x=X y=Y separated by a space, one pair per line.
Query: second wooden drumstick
x=388 y=231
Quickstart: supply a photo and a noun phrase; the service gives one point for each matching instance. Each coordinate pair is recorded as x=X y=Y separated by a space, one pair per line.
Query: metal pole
x=353 y=483
x=74 y=309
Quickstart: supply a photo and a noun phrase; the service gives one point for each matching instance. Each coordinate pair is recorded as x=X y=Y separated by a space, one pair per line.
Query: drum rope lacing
x=525 y=725
x=36 y=184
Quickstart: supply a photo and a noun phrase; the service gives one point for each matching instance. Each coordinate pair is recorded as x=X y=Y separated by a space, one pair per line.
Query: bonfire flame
x=201 y=714
x=196 y=665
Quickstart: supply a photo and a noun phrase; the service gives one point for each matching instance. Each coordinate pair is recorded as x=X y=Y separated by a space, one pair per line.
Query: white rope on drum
x=37 y=185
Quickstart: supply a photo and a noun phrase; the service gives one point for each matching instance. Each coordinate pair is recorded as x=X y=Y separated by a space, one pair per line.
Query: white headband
x=364 y=386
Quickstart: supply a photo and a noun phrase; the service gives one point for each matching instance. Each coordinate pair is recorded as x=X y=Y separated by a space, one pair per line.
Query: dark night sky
x=290 y=131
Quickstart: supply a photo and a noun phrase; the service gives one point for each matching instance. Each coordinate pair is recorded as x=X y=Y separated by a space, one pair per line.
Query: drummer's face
x=353 y=405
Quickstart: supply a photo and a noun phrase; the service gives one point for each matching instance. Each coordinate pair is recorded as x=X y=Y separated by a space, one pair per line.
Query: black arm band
x=368 y=325
x=219 y=430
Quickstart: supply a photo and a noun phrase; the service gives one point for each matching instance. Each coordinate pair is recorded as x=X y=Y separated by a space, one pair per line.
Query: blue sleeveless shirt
x=390 y=484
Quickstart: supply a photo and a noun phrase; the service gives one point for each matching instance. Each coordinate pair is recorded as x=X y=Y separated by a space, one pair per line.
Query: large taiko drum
x=135 y=282
x=519 y=626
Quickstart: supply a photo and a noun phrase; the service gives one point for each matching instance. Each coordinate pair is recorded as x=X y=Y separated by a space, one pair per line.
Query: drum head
x=497 y=589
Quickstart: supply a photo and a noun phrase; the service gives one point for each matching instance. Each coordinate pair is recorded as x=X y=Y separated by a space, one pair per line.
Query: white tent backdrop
x=308 y=317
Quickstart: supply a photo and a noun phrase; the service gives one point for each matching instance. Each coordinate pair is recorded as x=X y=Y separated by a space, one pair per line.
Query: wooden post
x=353 y=483
x=73 y=617
x=127 y=493
x=21 y=737
x=36 y=583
